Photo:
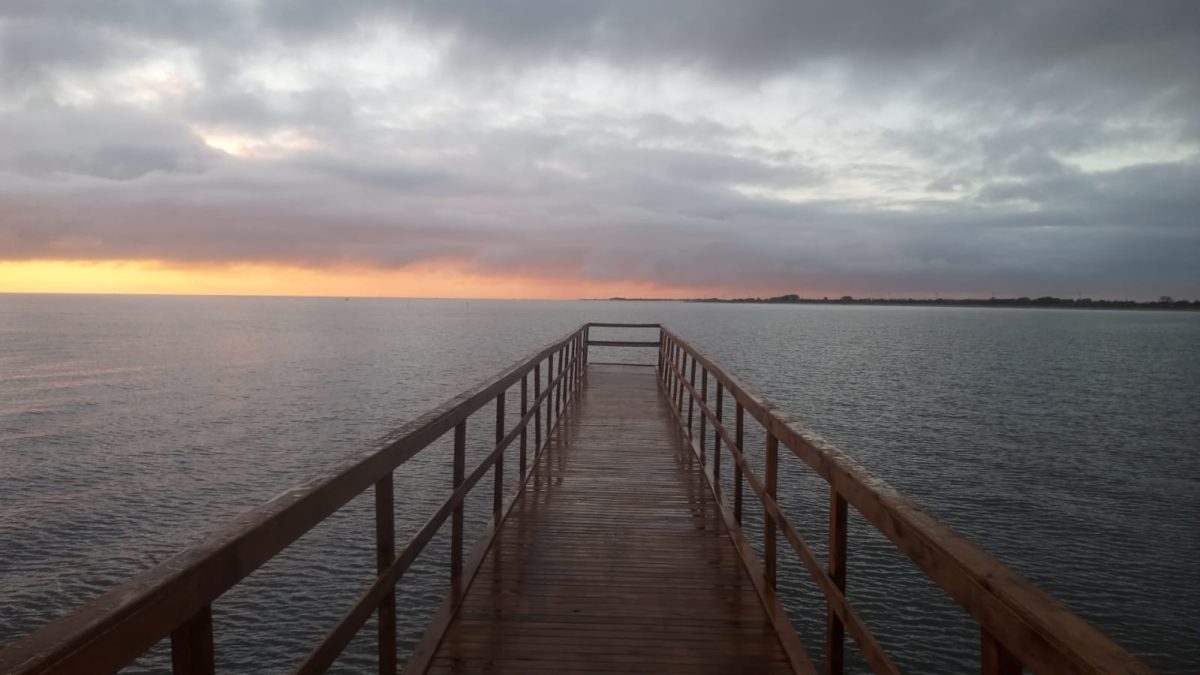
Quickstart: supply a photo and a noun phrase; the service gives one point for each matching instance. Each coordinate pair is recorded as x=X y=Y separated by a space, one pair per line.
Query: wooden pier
x=598 y=568
x=617 y=551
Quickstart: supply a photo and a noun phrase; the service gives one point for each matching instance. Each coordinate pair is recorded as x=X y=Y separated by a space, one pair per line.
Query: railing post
x=669 y=370
x=739 y=416
x=192 y=645
x=456 y=520
x=385 y=553
x=691 y=397
x=568 y=366
x=717 y=428
x=524 y=424
x=679 y=387
x=549 y=396
x=537 y=408
x=558 y=381
x=662 y=347
x=580 y=351
x=995 y=659
x=572 y=372
x=498 y=492
x=770 y=550
x=835 y=631
x=703 y=417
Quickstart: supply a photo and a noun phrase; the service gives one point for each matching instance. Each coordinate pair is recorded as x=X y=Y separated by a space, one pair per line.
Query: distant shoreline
x=1041 y=302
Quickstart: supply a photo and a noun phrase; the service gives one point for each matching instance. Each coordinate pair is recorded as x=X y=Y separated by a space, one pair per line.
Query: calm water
x=1065 y=442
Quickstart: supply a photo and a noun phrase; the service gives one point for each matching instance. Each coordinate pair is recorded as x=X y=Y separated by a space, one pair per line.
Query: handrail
x=175 y=597
x=1020 y=626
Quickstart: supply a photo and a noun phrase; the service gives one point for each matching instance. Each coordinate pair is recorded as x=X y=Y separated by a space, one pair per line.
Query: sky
x=555 y=149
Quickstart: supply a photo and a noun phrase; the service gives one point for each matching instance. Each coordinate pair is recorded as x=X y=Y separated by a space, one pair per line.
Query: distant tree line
x=1163 y=302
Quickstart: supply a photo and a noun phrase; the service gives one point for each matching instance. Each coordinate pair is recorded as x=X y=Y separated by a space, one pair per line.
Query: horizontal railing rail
x=175 y=597
x=637 y=344
x=1020 y=626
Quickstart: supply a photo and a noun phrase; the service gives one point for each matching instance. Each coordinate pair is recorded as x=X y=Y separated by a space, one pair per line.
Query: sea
x=1064 y=442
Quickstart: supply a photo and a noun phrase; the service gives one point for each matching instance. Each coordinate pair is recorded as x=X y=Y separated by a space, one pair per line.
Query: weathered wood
x=835 y=630
x=192 y=650
x=385 y=554
x=596 y=324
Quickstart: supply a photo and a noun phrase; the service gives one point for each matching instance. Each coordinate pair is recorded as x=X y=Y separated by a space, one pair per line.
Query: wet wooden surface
x=615 y=559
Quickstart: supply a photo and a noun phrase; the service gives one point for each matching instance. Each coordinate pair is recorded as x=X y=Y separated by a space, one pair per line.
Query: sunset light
x=426 y=280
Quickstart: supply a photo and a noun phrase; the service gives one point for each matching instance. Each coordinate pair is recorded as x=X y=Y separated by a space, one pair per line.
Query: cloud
x=924 y=147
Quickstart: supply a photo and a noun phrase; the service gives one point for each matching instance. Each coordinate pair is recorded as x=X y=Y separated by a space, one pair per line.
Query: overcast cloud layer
x=1004 y=148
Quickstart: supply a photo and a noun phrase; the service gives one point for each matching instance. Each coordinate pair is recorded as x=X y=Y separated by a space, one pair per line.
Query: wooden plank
x=594 y=558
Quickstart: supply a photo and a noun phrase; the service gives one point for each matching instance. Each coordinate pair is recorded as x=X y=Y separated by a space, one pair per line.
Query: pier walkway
x=615 y=558
x=611 y=545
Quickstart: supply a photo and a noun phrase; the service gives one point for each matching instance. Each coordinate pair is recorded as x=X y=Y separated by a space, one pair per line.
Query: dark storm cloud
x=1120 y=45
x=976 y=187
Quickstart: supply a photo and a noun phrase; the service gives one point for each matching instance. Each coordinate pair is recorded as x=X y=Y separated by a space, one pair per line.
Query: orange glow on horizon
x=426 y=280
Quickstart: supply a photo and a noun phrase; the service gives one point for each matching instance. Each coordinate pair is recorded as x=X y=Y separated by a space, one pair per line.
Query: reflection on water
x=1065 y=442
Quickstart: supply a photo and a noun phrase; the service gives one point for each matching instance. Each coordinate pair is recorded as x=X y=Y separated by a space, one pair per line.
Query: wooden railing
x=1020 y=626
x=175 y=598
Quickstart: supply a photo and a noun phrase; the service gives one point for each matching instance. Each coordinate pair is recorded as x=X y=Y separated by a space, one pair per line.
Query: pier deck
x=615 y=557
